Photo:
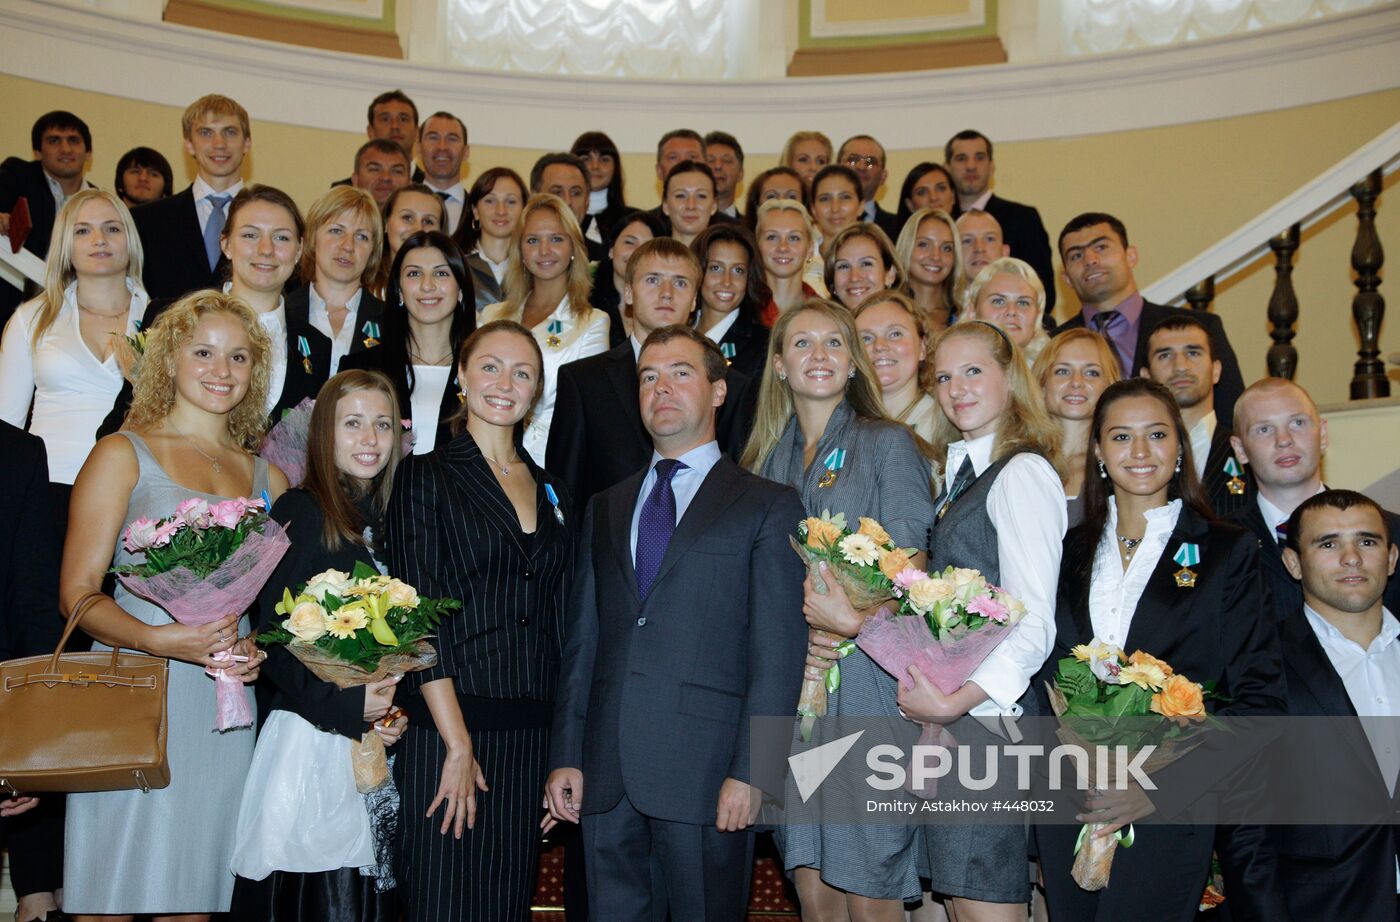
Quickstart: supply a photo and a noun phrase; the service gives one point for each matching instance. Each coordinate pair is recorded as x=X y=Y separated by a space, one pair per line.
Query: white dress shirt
x=203 y=207
x=321 y=320
x=685 y=483
x=456 y=202
x=425 y=403
x=1274 y=516
x=1201 y=435
x=274 y=324
x=70 y=390
x=1027 y=506
x=1114 y=592
x=56 y=190
x=597 y=203
x=981 y=203
x=715 y=333
x=577 y=338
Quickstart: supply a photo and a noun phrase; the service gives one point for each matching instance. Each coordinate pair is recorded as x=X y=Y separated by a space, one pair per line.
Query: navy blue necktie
x=656 y=524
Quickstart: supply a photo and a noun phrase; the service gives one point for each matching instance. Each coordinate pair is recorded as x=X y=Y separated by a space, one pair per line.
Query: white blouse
x=571 y=338
x=1113 y=591
x=70 y=389
x=429 y=381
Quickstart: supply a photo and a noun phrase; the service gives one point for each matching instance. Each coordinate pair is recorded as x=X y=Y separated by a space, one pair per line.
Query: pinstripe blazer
x=453 y=533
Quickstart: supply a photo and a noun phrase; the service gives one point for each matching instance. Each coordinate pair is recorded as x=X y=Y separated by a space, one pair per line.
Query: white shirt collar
x=202 y=190
x=1274 y=516
x=457 y=192
x=636 y=348
x=1201 y=436
x=981 y=203
x=1326 y=631
x=1157 y=519
x=597 y=201
x=978 y=449
x=716 y=332
x=318 y=303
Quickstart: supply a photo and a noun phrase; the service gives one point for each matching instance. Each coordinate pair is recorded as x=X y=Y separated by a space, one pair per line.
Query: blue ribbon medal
x=304 y=348
x=833 y=463
x=728 y=351
x=553 y=498
x=371 y=331
x=1188 y=555
x=1236 y=482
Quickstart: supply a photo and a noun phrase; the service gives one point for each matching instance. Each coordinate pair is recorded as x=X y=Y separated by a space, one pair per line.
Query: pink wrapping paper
x=230 y=589
x=285 y=444
x=896 y=642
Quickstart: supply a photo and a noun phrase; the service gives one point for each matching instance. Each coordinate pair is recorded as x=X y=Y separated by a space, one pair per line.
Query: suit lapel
x=1157 y=609
x=482 y=487
x=371 y=310
x=1214 y=478
x=187 y=214
x=716 y=494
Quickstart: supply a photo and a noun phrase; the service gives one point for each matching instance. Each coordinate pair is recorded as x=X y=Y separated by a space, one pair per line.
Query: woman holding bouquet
x=478 y=520
x=821 y=428
x=333 y=521
x=1150 y=569
x=196 y=418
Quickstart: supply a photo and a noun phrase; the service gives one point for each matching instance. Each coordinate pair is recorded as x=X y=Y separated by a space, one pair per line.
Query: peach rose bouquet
x=1104 y=698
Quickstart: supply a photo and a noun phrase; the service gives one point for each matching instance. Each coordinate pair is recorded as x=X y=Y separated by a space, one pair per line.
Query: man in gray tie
x=685 y=622
x=180 y=234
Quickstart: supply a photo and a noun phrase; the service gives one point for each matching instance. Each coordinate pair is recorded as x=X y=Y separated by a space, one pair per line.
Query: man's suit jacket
x=370 y=310
x=888 y=222
x=30 y=548
x=597 y=438
x=1285 y=592
x=1231 y=383
x=1216 y=480
x=1331 y=872
x=1024 y=232
x=173 y=247
x=656 y=693
x=417 y=177
x=24 y=179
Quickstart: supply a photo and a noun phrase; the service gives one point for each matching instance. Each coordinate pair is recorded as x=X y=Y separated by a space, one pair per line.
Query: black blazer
x=370 y=310
x=1024 y=232
x=284 y=682
x=597 y=438
x=747 y=340
x=888 y=222
x=1231 y=383
x=24 y=179
x=31 y=547
x=375 y=360
x=656 y=693
x=488 y=290
x=175 y=261
x=1330 y=872
x=1285 y=593
x=453 y=533
x=1216 y=480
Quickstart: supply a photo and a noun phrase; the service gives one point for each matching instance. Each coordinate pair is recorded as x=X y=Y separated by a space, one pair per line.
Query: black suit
x=1331 y=872
x=888 y=222
x=453 y=533
x=1218 y=632
x=745 y=345
x=488 y=290
x=173 y=247
x=375 y=359
x=417 y=177
x=656 y=692
x=1227 y=493
x=1024 y=233
x=370 y=310
x=1231 y=383
x=597 y=438
x=25 y=179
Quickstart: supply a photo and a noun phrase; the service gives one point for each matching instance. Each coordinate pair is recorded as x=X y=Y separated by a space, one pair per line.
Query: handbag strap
x=75 y=615
x=51 y=676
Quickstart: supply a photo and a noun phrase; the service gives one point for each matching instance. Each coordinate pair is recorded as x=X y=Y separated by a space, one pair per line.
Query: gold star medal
x=371 y=331
x=1236 y=482
x=833 y=463
x=555 y=328
x=1188 y=555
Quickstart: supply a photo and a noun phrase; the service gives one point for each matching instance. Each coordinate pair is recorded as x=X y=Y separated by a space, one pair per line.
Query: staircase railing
x=1357 y=178
x=16 y=267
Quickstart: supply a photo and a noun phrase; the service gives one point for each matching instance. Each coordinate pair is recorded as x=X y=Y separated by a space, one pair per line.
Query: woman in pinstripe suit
x=477 y=520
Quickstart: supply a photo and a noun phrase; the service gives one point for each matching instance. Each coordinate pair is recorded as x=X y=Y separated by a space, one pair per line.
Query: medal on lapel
x=1188 y=555
x=553 y=498
x=304 y=348
x=833 y=464
x=552 y=340
x=728 y=351
x=371 y=331
x=1236 y=482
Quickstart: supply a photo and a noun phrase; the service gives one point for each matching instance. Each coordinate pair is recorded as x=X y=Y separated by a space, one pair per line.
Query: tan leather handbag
x=83 y=721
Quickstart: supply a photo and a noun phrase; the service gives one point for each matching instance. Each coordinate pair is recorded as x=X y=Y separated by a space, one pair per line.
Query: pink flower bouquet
x=203 y=563
x=945 y=625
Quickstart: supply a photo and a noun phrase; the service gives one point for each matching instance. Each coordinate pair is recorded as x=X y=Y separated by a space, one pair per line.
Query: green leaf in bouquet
x=363 y=571
x=1128 y=700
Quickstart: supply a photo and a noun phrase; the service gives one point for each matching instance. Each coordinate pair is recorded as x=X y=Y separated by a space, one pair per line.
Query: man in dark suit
x=866 y=156
x=392 y=117
x=725 y=157
x=1099 y=266
x=566 y=176
x=597 y=437
x=180 y=234
x=650 y=748
x=1341 y=656
x=1281 y=439
x=968 y=155
x=62 y=146
x=381 y=168
x=1179 y=358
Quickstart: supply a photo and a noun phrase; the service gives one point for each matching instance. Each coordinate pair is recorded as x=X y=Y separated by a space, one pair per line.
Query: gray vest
x=965 y=535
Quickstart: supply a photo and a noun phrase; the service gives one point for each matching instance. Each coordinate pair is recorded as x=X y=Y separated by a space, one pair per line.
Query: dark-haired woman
x=410 y=209
x=478 y=520
x=430 y=313
x=779 y=182
x=308 y=847
x=493 y=207
x=606 y=199
x=143 y=175
x=631 y=230
x=1123 y=585
x=732 y=296
x=927 y=185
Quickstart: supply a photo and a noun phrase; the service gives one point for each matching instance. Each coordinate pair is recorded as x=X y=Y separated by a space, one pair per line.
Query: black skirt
x=342 y=895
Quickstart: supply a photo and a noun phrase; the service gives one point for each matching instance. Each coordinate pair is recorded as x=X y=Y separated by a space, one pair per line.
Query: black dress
x=342 y=895
x=453 y=533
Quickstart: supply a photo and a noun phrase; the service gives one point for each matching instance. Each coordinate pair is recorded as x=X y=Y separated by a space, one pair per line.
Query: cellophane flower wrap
x=944 y=624
x=202 y=563
x=356 y=628
x=1103 y=698
x=863 y=562
x=285 y=443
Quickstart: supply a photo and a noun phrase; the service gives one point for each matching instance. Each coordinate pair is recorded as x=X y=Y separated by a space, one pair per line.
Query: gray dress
x=165 y=851
x=884 y=477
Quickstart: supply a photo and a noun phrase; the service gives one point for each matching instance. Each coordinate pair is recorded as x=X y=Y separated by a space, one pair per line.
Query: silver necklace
x=503 y=468
x=1129 y=545
x=212 y=459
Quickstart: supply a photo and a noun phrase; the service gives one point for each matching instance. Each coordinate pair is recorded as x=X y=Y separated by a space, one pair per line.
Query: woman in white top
x=1008 y=293
x=63 y=352
x=1072 y=372
x=894 y=340
x=547 y=290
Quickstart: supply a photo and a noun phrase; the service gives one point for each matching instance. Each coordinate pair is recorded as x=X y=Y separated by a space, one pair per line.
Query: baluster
x=1368 y=307
x=1283 y=306
x=1201 y=294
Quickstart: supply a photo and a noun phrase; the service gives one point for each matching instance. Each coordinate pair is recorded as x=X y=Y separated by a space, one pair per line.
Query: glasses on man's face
x=857 y=163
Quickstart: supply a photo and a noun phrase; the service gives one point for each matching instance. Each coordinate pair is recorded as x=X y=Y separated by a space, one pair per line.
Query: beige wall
x=1178 y=189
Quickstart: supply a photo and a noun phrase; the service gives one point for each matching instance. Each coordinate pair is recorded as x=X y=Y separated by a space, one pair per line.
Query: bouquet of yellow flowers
x=864 y=563
x=354 y=629
x=1102 y=698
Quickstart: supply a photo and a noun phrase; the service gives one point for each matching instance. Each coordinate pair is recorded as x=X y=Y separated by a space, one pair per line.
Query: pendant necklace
x=1129 y=545
x=503 y=468
x=212 y=459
